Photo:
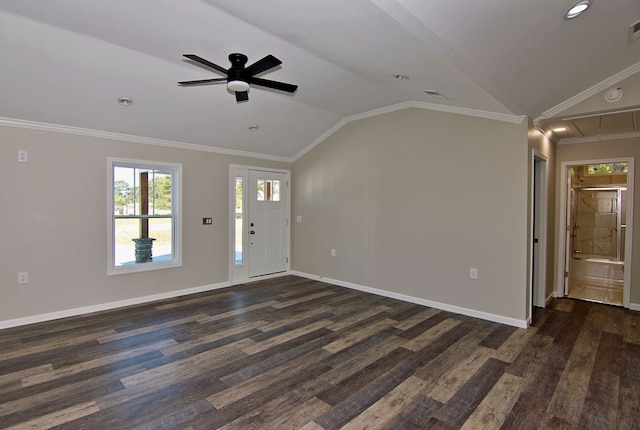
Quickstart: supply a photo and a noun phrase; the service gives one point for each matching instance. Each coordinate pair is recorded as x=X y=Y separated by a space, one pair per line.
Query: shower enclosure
x=597 y=223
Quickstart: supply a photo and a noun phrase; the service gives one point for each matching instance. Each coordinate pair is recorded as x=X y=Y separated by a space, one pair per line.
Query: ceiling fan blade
x=242 y=96
x=201 y=82
x=290 y=88
x=259 y=66
x=206 y=63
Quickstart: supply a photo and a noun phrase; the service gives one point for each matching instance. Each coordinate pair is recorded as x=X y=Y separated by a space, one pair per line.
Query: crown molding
x=618 y=136
x=79 y=131
x=514 y=119
x=623 y=74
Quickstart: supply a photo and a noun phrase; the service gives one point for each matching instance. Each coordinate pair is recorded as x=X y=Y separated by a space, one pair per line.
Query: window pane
x=239 y=256
x=260 y=187
x=268 y=190
x=161 y=230
x=125 y=231
x=604 y=168
x=157 y=247
x=123 y=191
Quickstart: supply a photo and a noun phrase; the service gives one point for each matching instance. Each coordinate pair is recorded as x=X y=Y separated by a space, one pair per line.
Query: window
x=239 y=254
x=144 y=205
x=268 y=190
x=608 y=168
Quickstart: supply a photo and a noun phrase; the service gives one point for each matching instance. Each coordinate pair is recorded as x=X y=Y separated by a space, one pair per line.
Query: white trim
x=634 y=306
x=561 y=238
x=78 y=131
x=514 y=119
x=542 y=187
x=109 y=306
x=612 y=80
x=419 y=301
x=176 y=202
x=240 y=274
x=602 y=138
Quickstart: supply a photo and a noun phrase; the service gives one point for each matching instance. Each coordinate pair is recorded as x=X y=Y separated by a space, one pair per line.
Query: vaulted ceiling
x=65 y=63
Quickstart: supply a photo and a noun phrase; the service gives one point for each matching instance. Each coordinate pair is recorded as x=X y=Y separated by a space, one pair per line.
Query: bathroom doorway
x=597 y=212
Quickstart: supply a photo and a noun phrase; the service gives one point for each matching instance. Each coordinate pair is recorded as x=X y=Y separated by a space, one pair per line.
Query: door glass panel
x=268 y=190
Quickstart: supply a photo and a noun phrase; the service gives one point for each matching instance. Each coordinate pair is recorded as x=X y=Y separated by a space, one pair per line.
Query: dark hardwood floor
x=292 y=353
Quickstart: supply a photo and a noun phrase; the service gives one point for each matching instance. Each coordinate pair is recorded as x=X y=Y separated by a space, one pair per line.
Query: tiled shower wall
x=595 y=223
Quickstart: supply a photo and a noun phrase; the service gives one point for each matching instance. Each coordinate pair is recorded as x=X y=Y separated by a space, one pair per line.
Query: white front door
x=268 y=223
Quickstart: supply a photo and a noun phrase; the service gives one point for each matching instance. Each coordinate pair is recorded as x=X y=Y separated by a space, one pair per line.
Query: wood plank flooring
x=292 y=353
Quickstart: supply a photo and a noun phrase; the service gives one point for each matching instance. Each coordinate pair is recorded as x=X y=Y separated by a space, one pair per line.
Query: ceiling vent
x=634 y=31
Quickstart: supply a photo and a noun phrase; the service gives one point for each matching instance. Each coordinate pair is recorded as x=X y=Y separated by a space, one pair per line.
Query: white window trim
x=176 y=201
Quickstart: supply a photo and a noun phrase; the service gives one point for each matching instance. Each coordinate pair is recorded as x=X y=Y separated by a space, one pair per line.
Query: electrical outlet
x=207 y=221
x=23 y=156
x=473 y=273
x=333 y=252
x=23 y=277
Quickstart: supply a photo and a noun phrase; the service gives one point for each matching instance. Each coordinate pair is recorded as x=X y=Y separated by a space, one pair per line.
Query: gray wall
x=54 y=222
x=604 y=150
x=411 y=200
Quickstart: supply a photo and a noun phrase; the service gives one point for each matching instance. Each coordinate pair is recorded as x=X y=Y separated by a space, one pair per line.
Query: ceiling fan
x=239 y=77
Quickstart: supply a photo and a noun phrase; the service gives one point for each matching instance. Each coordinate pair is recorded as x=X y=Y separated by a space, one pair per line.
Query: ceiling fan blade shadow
x=242 y=96
x=201 y=82
x=282 y=86
x=206 y=63
x=260 y=66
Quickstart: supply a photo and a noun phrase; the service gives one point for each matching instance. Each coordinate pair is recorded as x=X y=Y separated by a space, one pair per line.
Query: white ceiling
x=66 y=62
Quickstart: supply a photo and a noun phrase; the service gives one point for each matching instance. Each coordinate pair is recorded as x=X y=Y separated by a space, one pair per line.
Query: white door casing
x=266 y=251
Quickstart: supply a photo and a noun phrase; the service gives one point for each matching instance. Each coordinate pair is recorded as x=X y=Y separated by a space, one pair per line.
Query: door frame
x=539 y=216
x=240 y=274
x=562 y=248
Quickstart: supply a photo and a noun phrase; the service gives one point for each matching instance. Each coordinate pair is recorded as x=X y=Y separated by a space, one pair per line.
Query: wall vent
x=634 y=31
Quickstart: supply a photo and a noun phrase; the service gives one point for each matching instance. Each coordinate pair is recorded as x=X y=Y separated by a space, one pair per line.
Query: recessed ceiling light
x=125 y=101
x=400 y=77
x=577 y=9
x=559 y=129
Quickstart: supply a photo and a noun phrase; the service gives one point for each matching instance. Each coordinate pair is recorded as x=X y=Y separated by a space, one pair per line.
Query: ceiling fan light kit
x=237 y=85
x=240 y=78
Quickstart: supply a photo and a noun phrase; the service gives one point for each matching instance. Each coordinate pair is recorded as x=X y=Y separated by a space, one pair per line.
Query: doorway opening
x=597 y=240
x=538 y=238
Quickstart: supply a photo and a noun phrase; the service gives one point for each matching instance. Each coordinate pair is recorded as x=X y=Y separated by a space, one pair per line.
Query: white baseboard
x=108 y=306
x=423 y=302
x=634 y=306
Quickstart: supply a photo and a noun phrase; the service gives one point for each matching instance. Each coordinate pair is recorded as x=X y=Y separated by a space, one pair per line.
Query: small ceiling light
x=436 y=94
x=125 y=101
x=254 y=127
x=238 y=86
x=559 y=129
x=401 y=77
x=577 y=9
x=613 y=95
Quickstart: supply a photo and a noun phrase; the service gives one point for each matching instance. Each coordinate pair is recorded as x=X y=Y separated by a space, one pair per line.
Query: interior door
x=268 y=223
